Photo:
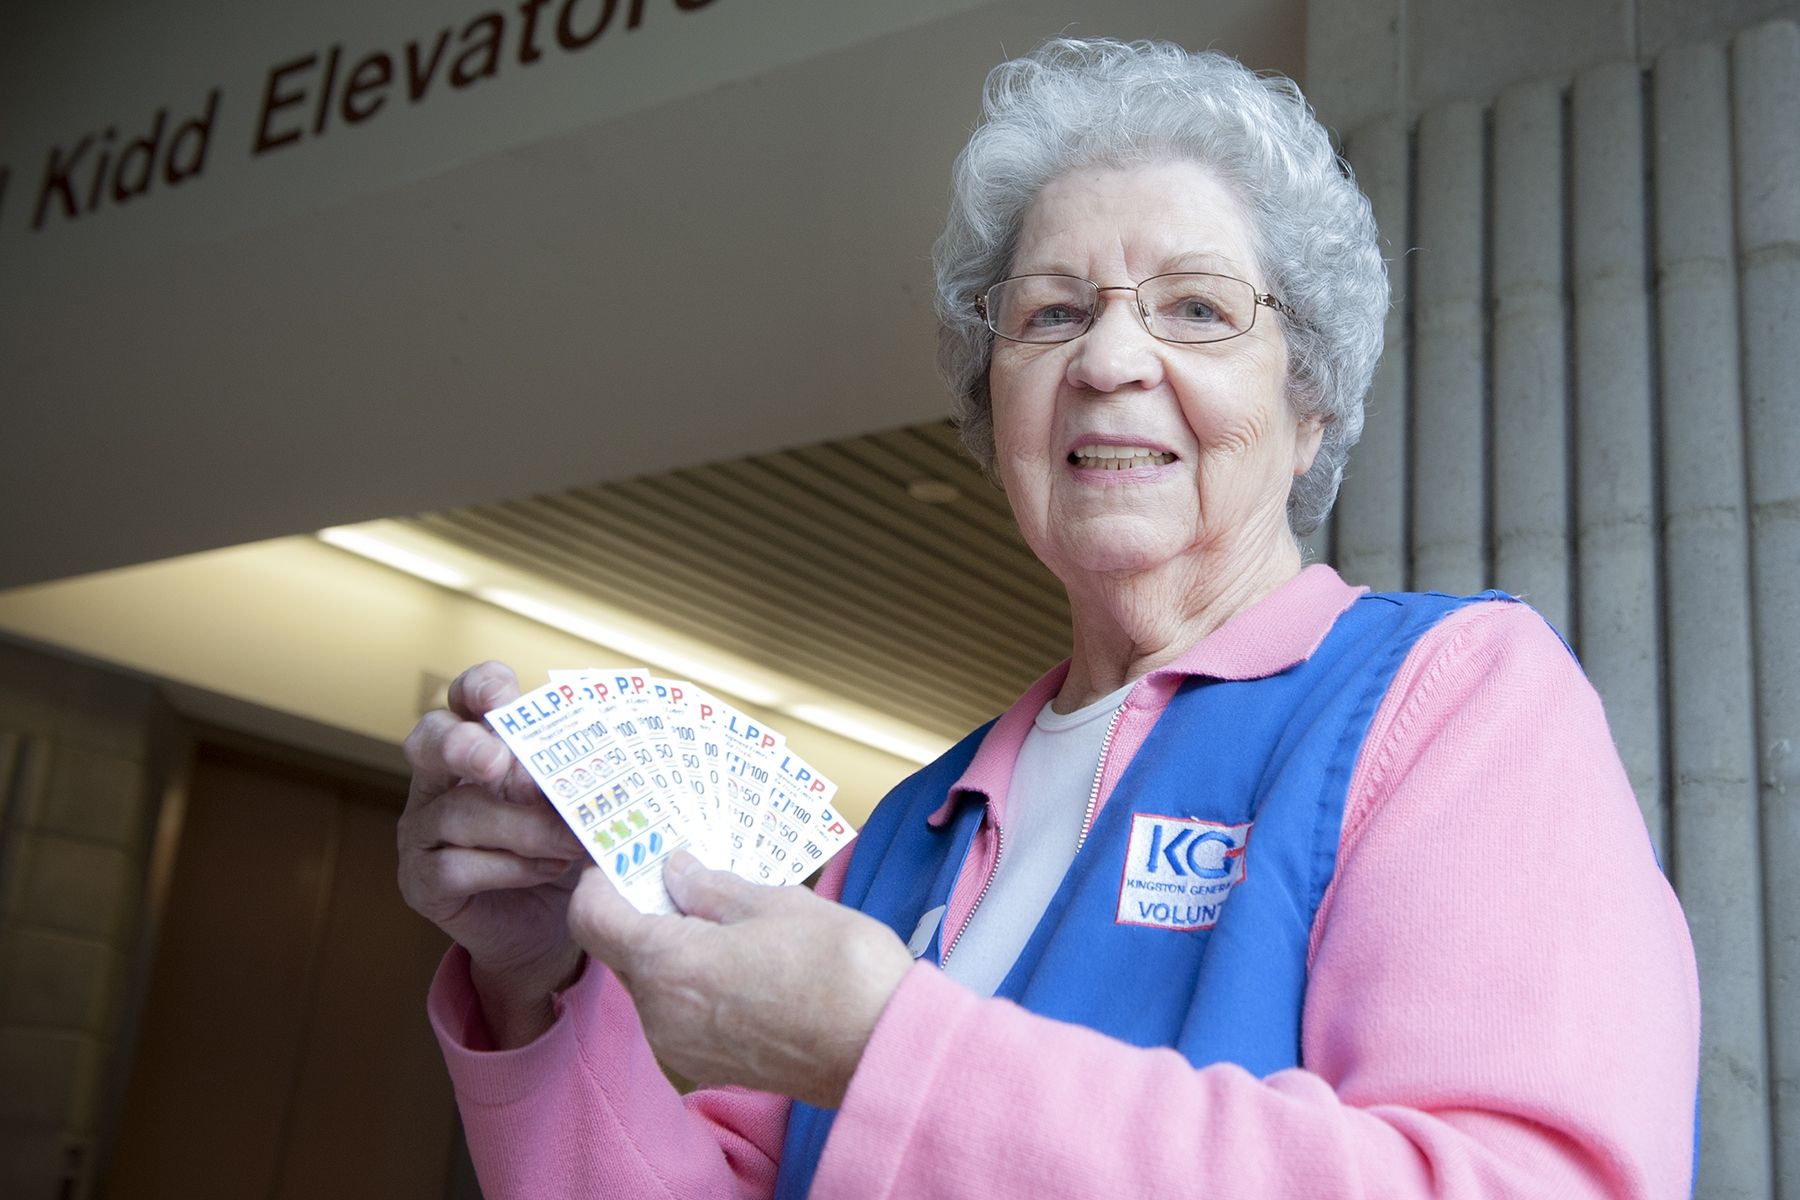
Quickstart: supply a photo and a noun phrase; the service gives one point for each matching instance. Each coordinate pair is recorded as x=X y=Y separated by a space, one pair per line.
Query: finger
x=443 y=749
x=476 y=752
x=424 y=750
x=441 y=881
x=717 y=896
x=517 y=786
x=473 y=817
x=481 y=689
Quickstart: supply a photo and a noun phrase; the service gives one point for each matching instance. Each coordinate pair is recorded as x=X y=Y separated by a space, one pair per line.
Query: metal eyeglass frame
x=1262 y=300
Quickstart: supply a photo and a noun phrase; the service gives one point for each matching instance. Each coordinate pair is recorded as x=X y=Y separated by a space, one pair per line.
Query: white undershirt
x=1046 y=804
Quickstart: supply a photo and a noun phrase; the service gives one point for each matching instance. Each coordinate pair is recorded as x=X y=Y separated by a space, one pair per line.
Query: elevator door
x=283 y=1051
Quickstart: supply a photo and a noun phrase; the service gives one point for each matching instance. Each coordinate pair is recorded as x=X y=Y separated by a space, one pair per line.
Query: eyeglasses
x=1186 y=307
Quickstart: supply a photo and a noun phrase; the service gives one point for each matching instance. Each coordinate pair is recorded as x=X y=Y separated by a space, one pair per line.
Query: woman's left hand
x=770 y=988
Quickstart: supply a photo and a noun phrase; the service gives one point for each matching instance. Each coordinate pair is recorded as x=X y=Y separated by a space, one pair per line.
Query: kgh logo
x=1199 y=846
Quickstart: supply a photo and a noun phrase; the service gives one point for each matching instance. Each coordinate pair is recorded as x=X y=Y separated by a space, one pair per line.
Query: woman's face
x=1212 y=445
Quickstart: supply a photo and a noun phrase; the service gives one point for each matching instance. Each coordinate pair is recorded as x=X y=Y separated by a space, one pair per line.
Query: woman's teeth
x=1118 y=458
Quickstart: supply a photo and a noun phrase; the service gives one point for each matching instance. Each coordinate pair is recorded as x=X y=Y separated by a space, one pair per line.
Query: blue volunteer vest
x=1185 y=917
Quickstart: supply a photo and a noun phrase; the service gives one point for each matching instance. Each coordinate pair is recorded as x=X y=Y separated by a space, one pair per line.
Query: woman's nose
x=1116 y=351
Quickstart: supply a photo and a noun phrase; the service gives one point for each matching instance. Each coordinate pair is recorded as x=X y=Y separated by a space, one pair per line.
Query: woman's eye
x=1197 y=309
x=1052 y=316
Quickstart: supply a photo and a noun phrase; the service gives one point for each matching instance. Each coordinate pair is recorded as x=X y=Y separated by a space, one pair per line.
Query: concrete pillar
x=1617 y=606
x=1317 y=545
x=1712 y=798
x=1531 y=352
x=1766 y=104
x=1449 y=418
x=1683 y=432
x=1355 y=50
x=1371 y=510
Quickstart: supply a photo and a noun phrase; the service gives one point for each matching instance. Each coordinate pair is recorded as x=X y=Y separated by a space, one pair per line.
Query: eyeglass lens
x=1175 y=308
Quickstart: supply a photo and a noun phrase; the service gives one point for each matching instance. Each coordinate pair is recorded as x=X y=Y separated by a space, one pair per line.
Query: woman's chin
x=1100 y=551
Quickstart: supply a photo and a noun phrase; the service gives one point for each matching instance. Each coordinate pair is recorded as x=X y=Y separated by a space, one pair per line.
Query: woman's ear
x=1309 y=432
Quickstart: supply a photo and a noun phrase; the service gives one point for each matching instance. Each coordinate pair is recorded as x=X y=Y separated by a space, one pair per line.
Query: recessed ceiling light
x=933 y=491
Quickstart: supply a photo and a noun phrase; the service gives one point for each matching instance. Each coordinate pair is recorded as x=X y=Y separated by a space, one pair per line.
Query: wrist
x=518 y=1003
x=879 y=977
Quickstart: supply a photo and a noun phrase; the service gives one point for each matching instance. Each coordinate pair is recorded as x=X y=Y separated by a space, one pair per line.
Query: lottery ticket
x=583 y=764
x=689 y=712
x=801 y=829
x=644 y=750
x=750 y=754
x=640 y=766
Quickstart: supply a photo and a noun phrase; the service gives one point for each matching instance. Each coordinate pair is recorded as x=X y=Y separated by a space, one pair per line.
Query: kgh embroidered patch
x=1180 y=871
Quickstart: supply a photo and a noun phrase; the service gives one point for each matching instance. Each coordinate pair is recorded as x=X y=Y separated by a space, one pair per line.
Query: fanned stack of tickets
x=641 y=767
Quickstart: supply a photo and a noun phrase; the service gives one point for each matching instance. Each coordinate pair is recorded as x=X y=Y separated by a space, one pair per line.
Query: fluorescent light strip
x=398 y=557
x=632 y=645
x=912 y=745
x=902 y=742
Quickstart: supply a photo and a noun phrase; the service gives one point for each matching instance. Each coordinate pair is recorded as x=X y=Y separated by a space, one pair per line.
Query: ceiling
x=313 y=338
x=501 y=338
x=817 y=561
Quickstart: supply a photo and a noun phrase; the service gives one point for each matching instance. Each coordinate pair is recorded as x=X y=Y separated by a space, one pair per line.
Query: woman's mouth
x=1118 y=458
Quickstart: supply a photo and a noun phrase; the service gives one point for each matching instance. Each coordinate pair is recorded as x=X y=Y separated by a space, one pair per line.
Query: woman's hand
x=484 y=858
x=770 y=988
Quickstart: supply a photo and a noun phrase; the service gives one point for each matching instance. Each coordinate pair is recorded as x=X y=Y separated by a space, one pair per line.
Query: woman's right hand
x=485 y=859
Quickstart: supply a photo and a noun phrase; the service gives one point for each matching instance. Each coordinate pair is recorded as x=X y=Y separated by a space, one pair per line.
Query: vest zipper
x=1087 y=820
x=999 y=849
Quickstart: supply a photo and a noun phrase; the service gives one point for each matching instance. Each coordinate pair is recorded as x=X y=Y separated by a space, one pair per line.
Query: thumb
x=717 y=896
x=602 y=921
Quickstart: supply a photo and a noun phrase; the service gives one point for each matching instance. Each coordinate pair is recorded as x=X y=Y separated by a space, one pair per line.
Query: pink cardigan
x=1502 y=998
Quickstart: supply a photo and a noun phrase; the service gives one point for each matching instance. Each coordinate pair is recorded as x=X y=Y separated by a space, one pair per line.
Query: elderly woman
x=1273 y=889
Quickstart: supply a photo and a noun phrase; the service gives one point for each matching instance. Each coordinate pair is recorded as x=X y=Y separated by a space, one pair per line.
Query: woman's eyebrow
x=1208 y=261
x=1203 y=260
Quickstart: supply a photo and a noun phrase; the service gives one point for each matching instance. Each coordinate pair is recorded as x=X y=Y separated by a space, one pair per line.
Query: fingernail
x=681 y=864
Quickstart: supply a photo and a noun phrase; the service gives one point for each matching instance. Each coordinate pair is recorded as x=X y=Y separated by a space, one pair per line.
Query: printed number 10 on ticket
x=639 y=767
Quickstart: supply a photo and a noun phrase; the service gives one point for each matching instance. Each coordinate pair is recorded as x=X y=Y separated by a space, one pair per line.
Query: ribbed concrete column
x=1531 y=355
x=1766 y=78
x=1370 y=522
x=1706 y=606
x=1617 y=608
x=1449 y=420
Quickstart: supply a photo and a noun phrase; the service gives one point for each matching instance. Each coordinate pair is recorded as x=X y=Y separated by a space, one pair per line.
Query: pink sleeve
x=1502 y=1002
x=585 y=1110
